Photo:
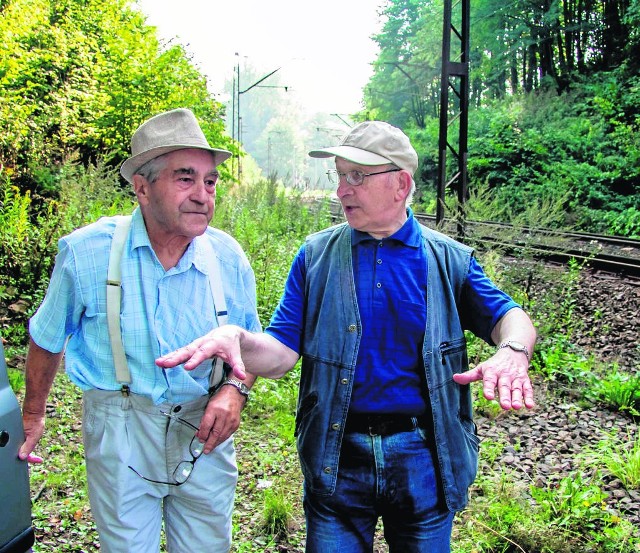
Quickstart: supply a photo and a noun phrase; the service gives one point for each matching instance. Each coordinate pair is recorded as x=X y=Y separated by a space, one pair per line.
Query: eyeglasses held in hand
x=184 y=469
x=355 y=178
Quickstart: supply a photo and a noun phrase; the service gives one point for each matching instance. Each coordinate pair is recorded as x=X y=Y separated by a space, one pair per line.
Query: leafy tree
x=404 y=89
x=78 y=76
x=554 y=110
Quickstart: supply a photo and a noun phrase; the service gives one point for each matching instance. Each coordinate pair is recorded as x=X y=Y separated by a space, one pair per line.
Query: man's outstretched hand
x=508 y=372
x=222 y=342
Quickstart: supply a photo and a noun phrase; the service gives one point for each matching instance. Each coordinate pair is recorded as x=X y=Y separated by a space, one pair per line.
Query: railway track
x=612 y=254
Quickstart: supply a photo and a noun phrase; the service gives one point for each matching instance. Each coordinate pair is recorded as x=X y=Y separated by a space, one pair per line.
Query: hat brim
x=131 y=165
x=350 y=153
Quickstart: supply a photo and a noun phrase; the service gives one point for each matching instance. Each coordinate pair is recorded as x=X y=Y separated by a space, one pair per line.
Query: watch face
x=516 y=345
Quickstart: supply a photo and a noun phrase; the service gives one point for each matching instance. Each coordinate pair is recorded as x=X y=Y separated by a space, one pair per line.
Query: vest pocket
x=453 y=354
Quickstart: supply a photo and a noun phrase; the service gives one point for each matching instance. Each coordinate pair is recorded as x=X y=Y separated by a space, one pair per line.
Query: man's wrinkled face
x=181 y=202
x=375 y=206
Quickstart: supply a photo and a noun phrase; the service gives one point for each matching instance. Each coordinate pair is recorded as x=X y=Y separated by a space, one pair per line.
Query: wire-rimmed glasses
x=355 y=177
x=184 y=469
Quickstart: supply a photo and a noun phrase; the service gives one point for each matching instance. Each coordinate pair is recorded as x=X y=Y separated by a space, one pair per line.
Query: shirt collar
x=194 y=255
x=408 y=234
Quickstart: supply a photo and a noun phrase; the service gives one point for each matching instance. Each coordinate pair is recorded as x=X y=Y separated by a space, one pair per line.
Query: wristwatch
x=240 y=386
x=515 y=346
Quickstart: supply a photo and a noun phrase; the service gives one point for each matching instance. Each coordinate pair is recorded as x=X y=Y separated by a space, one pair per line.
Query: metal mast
x=454 y=110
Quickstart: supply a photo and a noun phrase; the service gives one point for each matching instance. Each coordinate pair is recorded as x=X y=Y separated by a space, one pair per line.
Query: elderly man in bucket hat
x=377 y=309
x=125 y=290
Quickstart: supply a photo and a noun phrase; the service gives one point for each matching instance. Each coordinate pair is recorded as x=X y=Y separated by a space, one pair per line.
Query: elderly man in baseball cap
x=125 y=290
x=377 y=308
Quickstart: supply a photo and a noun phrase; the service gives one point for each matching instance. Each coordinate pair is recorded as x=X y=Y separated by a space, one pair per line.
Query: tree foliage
x=554 y=97
x=78 y=76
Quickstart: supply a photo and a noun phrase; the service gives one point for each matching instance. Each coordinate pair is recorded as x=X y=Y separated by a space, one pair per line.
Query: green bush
x=619 y=391
x=270 y=222
x=31 y=226
x=579 y=148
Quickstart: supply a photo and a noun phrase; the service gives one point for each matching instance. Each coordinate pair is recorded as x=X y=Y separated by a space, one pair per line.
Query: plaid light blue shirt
x=161 y=310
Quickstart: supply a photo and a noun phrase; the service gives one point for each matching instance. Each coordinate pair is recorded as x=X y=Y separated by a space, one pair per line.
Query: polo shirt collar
x=408 y=234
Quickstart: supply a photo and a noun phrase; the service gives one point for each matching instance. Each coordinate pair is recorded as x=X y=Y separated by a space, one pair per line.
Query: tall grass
x=30 y=226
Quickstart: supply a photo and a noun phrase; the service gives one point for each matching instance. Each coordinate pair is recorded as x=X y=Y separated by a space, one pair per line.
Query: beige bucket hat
x=166 y=132
x=374 y=143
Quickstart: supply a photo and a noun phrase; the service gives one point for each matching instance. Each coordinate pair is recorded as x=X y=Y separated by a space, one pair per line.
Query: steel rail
x=564 y=245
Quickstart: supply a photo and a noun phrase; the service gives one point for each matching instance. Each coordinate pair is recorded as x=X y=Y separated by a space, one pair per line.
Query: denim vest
x=332 y=331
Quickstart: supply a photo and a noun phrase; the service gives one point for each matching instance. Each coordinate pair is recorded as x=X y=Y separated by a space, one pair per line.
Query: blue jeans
x=392 y=477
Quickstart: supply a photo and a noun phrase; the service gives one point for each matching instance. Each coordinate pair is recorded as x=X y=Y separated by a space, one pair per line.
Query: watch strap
x=516 y=346
x=238 y=385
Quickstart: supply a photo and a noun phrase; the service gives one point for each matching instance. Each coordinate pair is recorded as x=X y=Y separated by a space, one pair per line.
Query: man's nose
x=344 y=188
x=200 y=193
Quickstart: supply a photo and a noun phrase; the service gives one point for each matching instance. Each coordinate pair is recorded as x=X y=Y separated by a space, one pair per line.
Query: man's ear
x=404 y=185
x=141 y=189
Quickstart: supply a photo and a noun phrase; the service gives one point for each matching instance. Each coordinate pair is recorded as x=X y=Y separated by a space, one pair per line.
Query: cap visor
x=355 y=155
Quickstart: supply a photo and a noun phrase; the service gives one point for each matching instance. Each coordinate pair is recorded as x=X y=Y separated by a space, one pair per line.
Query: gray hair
x=411 y=193
x=152 y=169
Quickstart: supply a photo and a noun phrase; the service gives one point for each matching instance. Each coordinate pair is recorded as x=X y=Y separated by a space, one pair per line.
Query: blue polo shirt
x=391 y=278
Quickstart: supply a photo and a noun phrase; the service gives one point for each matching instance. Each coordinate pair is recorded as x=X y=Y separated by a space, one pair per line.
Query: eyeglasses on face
x=184 y=469
x=355 y=177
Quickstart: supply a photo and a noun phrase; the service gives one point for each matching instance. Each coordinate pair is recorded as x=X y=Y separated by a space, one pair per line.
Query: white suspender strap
x=114 y=299
x=220 y=306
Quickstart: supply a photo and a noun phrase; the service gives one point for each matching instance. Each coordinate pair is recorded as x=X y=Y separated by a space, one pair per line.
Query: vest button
x=352 y=328
x=327 y=470
x=335 y=426
x=344 y=381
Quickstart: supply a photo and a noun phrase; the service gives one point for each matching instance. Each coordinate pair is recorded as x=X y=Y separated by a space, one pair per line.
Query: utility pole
x=455 y=77
x=239 y=93
x=350 y=125
x=233 y=114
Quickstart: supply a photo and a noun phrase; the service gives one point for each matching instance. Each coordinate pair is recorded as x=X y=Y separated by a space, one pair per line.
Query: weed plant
x=30 y=227
x=618 y=390
x=270 y=222
x=277 y=512
x=620 y=457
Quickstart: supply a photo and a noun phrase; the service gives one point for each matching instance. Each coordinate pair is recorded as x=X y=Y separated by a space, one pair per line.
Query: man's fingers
x=215 y=438
x=173 y=359
x=527 y=389
x=514 y=389
x=238 y=367
x=25 y=454
x=190 y=355
x=469 y=376
x=207 y=347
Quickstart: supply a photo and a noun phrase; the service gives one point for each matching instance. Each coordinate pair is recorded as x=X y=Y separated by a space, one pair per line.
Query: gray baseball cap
x=166 y=132
x=374 y=143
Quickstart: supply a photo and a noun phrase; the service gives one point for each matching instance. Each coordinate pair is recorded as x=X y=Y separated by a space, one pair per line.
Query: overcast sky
x=323 y=48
